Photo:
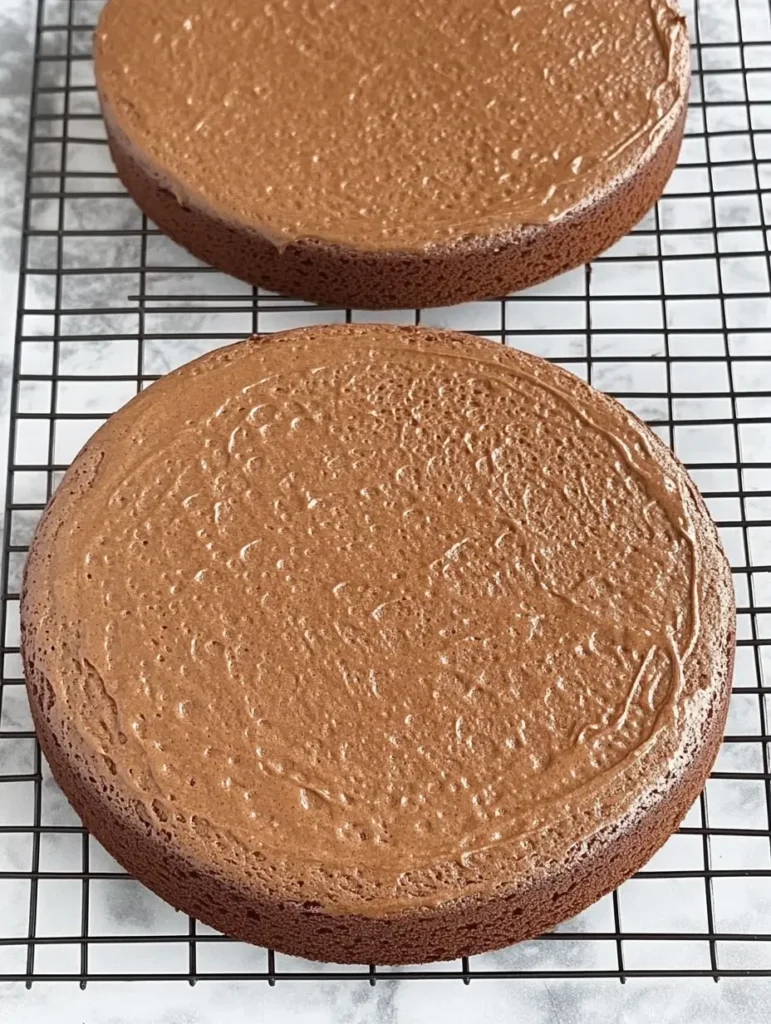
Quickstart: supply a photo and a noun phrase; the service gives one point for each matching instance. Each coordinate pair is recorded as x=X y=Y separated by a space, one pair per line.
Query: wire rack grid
x=675 y=321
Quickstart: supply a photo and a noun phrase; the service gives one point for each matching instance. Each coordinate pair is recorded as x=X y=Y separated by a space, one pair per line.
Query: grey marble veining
x=324 y=1002
x=630 y=328
x=16 y=33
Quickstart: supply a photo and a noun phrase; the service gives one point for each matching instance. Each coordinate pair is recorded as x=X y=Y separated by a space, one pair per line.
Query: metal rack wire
x=675 y=321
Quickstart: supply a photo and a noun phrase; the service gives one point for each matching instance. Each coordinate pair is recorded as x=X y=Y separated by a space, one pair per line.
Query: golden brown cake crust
x=640 y=757
x=374 y=203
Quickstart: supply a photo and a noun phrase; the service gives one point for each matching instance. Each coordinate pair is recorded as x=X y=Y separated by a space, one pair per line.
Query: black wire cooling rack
x=675 y=321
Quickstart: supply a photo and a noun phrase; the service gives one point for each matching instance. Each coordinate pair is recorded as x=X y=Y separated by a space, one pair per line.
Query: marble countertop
x=403 y=1001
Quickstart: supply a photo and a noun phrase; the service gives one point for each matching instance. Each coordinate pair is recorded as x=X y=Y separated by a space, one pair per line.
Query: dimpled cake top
x=394 y=125
x=374 y=615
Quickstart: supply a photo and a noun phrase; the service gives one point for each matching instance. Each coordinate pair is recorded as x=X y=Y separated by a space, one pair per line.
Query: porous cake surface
x=378 y=643
x=391 y=124
x=400 y=127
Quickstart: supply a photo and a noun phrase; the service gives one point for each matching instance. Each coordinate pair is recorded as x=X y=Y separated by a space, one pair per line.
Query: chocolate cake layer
x=394 y=154
x=378 y=644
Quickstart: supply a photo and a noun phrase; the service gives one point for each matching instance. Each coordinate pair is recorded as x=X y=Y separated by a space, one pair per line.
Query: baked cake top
x=391 y=125
x=373 y=615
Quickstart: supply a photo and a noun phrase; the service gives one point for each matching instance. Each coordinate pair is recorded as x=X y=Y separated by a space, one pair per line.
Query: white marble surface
x=120 y=907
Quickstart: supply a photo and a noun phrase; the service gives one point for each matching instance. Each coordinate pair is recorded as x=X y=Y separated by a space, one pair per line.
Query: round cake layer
x=378 y=644
x=394 y=154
